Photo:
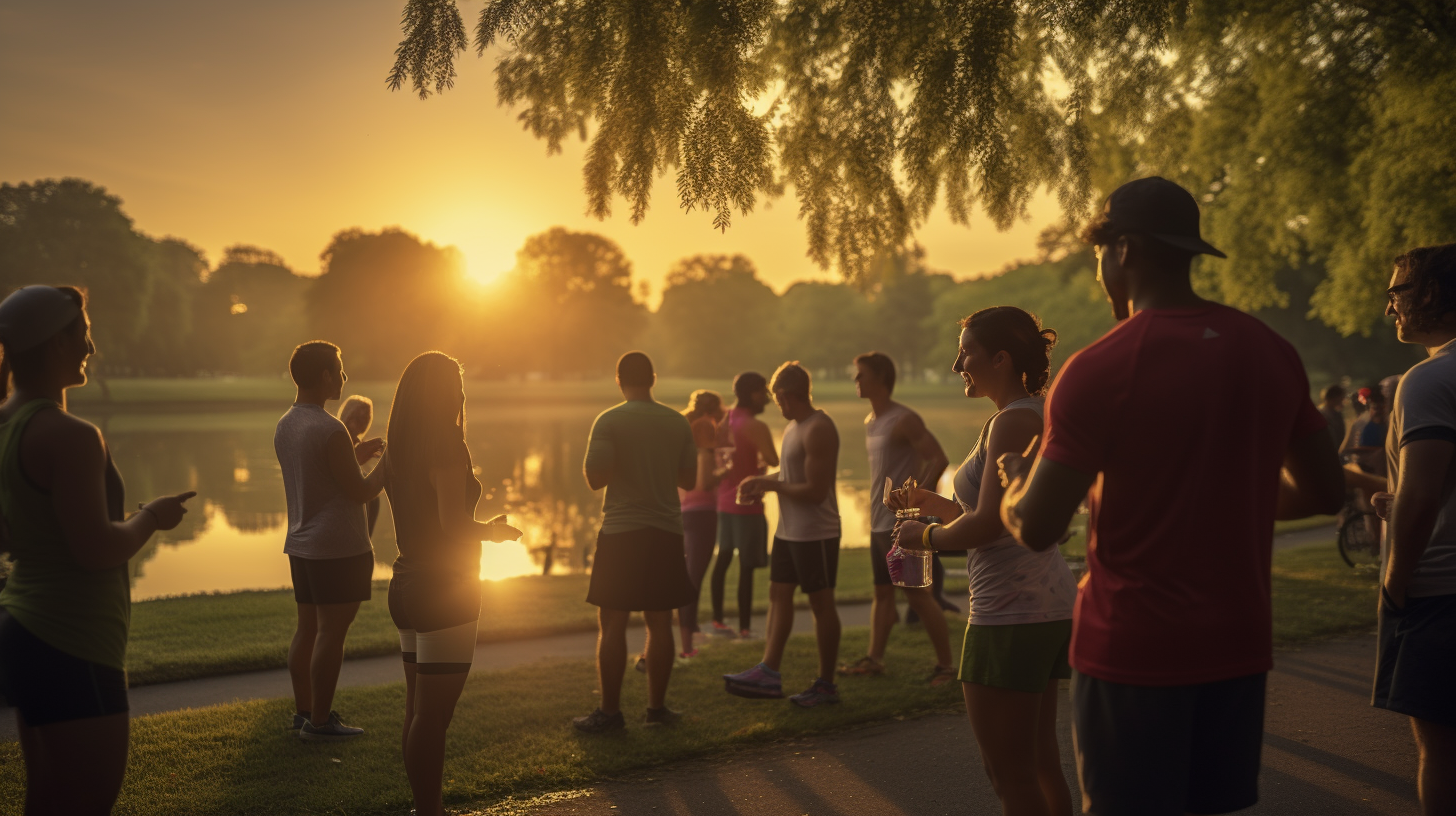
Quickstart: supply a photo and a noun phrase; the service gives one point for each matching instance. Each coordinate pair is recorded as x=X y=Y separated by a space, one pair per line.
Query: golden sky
x=268 y=123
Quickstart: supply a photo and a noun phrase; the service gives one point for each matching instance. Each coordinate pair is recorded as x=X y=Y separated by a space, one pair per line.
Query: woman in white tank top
x=1021 y=601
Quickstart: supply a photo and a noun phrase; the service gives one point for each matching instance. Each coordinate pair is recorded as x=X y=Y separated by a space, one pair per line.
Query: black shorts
x=746 y=533
x=813 y=565
x=436 y=613
x=880 y=544
x=48 y=686
x=332 y=580
x=1168 y=750
x=640 y=570
x=1417 y=659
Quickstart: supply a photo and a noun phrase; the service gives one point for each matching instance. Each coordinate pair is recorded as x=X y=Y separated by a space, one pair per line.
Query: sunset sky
x=269 y=123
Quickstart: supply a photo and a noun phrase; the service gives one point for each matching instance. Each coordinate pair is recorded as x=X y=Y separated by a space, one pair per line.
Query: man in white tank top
x=806 y=545
x=900 y=447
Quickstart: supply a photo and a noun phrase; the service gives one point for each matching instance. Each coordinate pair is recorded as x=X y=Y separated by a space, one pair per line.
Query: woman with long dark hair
x=434 y=596
x=66 y=608
x=1020 y=624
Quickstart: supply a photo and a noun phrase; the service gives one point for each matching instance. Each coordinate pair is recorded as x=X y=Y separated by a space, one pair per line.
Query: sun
x=487 y=260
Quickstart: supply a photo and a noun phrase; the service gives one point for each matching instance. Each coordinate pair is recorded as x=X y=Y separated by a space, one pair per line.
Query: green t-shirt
x=643 y=445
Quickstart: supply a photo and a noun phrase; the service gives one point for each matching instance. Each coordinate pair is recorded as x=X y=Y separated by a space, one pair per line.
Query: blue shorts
x=1416 y=660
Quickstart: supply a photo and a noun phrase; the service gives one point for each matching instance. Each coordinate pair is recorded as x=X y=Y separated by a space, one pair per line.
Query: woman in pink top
x=700 y=507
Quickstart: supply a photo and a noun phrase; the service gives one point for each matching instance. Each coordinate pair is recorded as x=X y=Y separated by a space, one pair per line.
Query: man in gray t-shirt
x=1417 y=618
x=329 y=554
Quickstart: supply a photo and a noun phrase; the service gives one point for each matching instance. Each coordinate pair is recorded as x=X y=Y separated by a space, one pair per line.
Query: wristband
x=925 y=536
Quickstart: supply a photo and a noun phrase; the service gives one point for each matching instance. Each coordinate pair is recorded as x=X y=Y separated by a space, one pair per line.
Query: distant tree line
x=567 y=309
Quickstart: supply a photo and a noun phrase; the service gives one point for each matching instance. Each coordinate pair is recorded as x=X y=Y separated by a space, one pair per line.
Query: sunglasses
x=1397 y=289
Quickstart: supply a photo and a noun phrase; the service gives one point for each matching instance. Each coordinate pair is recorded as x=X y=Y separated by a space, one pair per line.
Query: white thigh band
x=453 y=645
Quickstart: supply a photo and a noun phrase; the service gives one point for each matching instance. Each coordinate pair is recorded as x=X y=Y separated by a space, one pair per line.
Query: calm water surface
x=528 y=458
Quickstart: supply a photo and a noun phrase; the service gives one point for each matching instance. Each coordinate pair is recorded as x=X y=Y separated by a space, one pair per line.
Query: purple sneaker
x=820 y=693
x=759 y=682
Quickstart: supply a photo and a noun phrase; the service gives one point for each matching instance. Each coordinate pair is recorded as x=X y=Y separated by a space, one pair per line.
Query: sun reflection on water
x=505 y=559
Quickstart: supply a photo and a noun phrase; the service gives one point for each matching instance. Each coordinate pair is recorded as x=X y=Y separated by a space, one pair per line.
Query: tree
x=166 y=346
x=249 y=314
x=716 y=318
x=904 y=295
x=1313 y=130
x=569 y=306
x=823 y=326
x=385 y=297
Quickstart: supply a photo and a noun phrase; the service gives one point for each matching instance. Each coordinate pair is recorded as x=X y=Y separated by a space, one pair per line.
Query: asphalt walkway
x=1326 y=752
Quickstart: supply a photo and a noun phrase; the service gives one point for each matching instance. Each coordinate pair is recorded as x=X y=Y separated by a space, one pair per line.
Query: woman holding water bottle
x=1021 y=601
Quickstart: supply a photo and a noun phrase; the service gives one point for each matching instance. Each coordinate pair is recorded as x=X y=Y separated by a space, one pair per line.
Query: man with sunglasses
x=329 y=552
x=1417 y=630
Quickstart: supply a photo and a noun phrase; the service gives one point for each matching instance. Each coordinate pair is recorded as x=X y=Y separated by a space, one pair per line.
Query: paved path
x=372 y=671
x=1314 y=535
x=1326 y=752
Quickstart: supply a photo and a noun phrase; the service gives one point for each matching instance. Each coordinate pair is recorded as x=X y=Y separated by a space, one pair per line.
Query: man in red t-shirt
x=1171 y=636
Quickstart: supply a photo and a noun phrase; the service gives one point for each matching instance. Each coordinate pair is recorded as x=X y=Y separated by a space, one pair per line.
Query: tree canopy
x=1312 y=130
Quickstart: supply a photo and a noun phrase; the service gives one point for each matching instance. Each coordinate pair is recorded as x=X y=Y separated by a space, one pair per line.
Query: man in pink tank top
x=747 y=449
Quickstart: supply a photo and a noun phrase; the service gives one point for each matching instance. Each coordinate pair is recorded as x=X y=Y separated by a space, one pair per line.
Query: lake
x=527 y=444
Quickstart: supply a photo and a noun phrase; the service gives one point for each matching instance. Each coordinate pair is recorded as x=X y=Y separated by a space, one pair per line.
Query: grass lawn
x=512 y=737
x=202 y=635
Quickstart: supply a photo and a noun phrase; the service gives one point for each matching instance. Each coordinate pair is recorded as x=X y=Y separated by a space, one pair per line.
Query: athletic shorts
x=332 y=580
x=1416 y=660
x=880 y=544
x=436 y=614
x=48 y=686
x=642 y=570
x=813 y=565
x=1018 y=656
x=746 y=533
x=1168 y=750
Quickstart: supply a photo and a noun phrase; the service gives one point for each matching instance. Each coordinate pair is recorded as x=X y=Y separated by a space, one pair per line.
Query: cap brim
x=1194 y=245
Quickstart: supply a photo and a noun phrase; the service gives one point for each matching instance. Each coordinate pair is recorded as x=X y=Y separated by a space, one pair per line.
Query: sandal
x=864 y=667
x=942 y=675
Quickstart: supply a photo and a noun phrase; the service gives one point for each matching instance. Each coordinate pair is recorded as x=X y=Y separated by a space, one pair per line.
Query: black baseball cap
x=1159 y=208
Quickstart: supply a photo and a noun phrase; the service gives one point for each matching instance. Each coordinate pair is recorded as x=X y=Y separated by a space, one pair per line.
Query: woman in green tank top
x=65 y=608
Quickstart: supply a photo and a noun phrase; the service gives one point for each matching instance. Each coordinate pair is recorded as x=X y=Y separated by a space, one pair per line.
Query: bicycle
x=1358 y=545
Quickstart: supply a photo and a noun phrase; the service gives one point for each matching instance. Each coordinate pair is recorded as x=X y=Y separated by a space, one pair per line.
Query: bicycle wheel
x=1356 y=543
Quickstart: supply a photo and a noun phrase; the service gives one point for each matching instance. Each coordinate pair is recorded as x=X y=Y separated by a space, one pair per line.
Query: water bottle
x=911 y=569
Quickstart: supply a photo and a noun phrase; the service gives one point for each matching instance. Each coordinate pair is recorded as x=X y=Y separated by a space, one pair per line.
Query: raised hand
x=368 y=449
x=169 y=510
x=1014 y=466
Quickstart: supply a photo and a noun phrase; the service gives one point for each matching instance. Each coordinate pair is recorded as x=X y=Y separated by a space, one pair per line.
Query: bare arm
x=933 y=461
x=1039 y=504
x=1312 y=482
x=707 y=476
x=457 y=513
x=758 y=433
x=1369 y=482
x=1011 y=432
x=1423 y=467
x=77 y=483
x=344 y=467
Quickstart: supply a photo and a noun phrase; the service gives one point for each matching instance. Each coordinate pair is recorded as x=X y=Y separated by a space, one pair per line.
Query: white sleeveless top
x=799 y=521
x=322 y=522
x=889 y=457
x=1011 y=584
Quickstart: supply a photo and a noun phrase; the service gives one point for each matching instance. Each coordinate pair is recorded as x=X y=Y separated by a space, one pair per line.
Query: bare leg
x=932 y=617
x=300 y=655
x=612 y=656
x=780 y=623
x=30 y=755
x=409 y=716
x=882 y=620
x=435 y=698
x=328 y=655
x=1008 y=727
x=659 y=656
x=90 y=751
x=1437 y=777
x=1049 y=755
x=826 y=630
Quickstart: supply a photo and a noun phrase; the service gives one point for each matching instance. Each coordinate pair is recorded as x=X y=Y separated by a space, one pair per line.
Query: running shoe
x=298 y=720
x=688 y=655
x=333 y=730
x=600 y=722
x=662 y=716
x=821 y=693
x=864 y=667
x=641 y=664
x=759 y=682
x=748 y=634
x=721 y=629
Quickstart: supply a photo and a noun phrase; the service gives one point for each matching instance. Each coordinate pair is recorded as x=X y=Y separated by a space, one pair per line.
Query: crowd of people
x=1167 y=641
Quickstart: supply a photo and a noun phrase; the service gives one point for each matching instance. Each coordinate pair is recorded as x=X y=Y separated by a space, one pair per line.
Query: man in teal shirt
x=641 y=451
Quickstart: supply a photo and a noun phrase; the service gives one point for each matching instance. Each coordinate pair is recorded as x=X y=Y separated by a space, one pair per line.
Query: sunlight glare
x=505 y=559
